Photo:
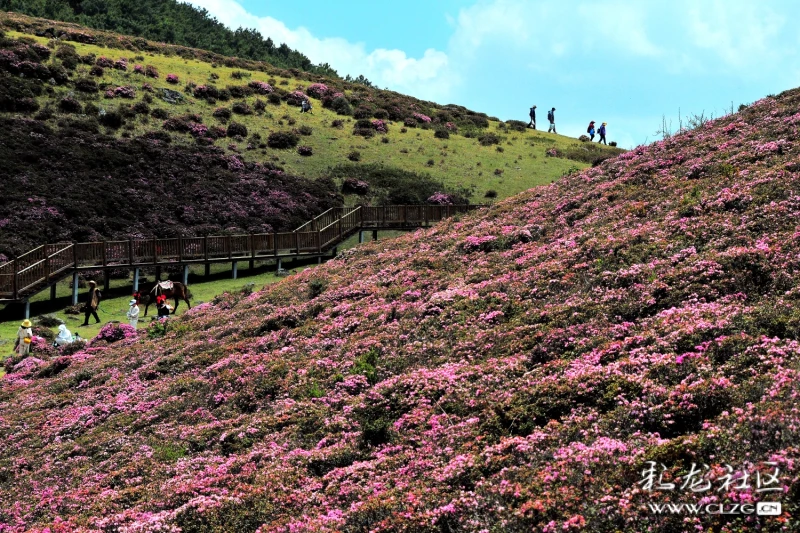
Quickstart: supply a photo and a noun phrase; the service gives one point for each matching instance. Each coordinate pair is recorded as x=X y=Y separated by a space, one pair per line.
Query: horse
x=149 y=291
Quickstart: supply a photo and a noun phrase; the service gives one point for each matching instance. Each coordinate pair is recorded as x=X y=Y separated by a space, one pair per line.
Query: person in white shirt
x=64 y=336
x=133 y=313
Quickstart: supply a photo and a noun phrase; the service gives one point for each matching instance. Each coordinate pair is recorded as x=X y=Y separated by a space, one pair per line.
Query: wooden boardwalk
x=45 y=265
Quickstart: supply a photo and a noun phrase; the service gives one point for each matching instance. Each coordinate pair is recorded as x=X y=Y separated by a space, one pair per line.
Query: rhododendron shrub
x=173 y=79
x=317 y=90
x=260 y=87
x=422 y=118
x=295 y=98
x=113 y=332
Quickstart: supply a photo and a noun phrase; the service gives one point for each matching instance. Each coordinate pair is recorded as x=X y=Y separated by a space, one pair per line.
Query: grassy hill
x=171 y=22
x=104 y=95
x=511 y=370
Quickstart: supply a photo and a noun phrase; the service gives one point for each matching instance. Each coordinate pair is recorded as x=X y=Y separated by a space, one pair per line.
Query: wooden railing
x=46 y=264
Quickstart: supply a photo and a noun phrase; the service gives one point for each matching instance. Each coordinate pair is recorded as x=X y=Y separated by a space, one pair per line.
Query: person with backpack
x=532 y=114
x=590 y=130
x=551 y=116
x=305 y=106
x=602 y=132
x=92 y=303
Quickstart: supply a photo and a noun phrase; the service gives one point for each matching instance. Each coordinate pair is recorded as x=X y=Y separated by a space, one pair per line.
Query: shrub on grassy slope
x=391 y=185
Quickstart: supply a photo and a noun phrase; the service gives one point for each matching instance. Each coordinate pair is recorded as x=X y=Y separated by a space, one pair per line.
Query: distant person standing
x=551 y=116
x=305 y=107
x=133 y=313
x=602 y=132
x=92 y=303
x=590 y=130
x=24 y=338
x=532 y=114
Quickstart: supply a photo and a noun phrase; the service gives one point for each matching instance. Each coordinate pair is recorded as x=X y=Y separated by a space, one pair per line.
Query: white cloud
x=426 y=77
x=740 y=34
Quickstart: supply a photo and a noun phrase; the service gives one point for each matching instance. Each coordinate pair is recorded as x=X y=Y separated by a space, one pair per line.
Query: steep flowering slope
x=513 y=370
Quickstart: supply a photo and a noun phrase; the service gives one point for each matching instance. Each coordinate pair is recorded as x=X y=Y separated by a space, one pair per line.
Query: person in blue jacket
x=602 y=132
x=590 y=130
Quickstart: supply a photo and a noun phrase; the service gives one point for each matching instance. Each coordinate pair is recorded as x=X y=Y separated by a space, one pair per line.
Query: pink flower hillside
x=562 y=361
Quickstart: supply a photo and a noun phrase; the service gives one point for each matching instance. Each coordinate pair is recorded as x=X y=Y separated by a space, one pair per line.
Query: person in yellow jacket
x=24 y=338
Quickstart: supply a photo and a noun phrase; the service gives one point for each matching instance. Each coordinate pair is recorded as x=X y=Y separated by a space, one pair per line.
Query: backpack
x=550 y=116
x=589 y=129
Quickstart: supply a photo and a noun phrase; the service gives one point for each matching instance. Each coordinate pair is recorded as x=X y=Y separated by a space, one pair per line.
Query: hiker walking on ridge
x=551 y=116
x=24 y=338
x=590 y=130
x=92 y=302
x=602 y=132
x=532 y=114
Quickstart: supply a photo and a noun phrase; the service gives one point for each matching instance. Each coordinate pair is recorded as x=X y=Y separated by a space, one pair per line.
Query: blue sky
x=625 y=63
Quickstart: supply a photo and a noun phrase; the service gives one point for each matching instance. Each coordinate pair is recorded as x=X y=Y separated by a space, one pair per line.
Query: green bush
x=488 y=139
x=234 y=129
x=282 y=139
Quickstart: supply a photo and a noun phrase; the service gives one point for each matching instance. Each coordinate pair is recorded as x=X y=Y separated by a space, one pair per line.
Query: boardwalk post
x=135 y=280
x=75 y=288
x=52 y=292
x=374 y=235
x=297 y=241
x=279 y=265
x=235 y=269
x=46 y=266
x=360 y=236
x=105 y=260
x=205 y=251
x=275 y=243
x=155 y=251
x=27 y=309
x=228 y=246
x=252 y=264
x=208 y=269
x=185 y=274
